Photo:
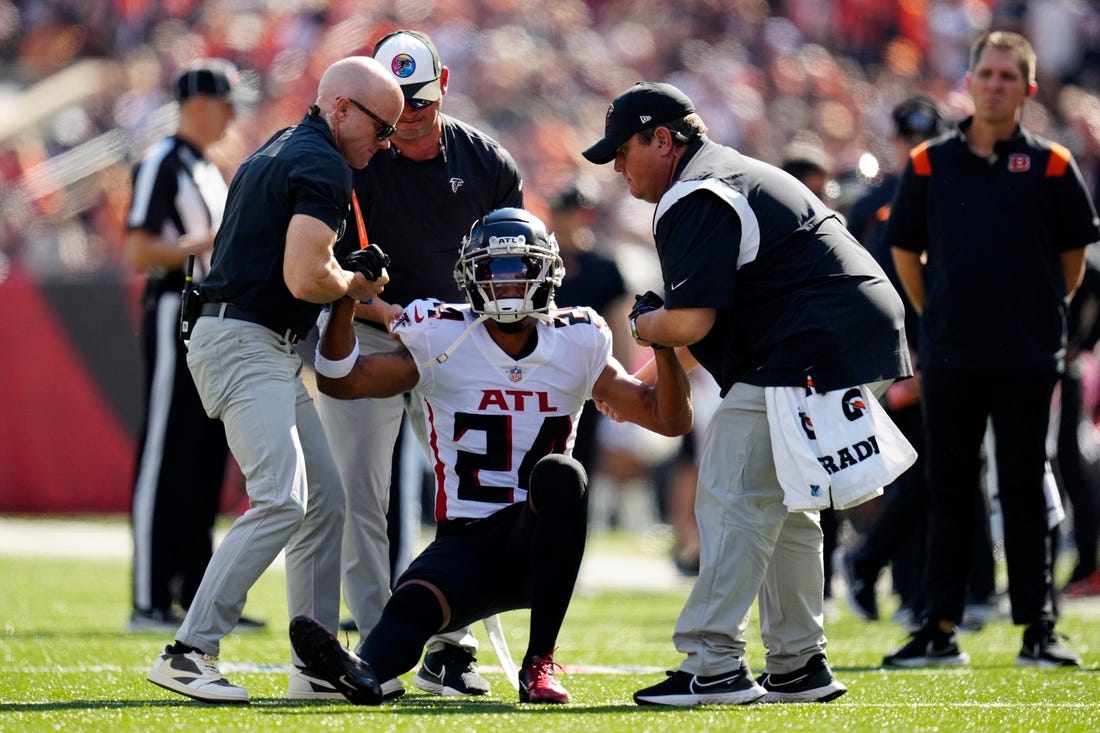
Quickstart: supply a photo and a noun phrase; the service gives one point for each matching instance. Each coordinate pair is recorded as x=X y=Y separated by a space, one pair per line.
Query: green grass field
x=66 y=663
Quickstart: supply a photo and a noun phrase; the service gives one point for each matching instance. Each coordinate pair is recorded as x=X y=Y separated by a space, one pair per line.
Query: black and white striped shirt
x=176 y=191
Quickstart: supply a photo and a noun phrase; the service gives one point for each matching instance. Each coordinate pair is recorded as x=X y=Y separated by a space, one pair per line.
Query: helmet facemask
x=509 y=267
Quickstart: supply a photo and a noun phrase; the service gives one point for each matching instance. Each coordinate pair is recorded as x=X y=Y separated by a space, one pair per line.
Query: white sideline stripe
x=66 y=537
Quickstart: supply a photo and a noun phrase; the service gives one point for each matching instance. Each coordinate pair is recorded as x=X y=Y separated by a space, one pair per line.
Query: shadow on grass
x=435 y=707
x=38 y=707
x=1008 y=664
x=412 y=706
x=101 y=633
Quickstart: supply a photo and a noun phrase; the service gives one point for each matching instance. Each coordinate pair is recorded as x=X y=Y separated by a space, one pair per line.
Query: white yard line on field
x=43 y=537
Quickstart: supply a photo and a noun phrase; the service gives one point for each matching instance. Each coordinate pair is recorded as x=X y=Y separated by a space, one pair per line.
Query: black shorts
x=481 y=567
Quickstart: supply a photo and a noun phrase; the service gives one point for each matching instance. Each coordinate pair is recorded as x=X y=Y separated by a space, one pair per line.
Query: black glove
x=370 y=261
x=646 y=302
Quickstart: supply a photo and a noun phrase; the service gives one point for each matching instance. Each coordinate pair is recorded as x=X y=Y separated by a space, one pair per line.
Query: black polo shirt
x=419 y=211
x=796 y=295
x=993 y=230
x=867 y=223
x=298 y=171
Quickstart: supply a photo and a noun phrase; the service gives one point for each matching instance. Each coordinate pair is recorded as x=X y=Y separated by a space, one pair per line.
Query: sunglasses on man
x=385 y=129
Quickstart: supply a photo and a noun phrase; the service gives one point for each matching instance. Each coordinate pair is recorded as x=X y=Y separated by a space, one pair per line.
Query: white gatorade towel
x=833 y=449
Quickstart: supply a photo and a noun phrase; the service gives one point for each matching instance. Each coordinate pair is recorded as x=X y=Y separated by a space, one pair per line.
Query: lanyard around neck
x=364 y=242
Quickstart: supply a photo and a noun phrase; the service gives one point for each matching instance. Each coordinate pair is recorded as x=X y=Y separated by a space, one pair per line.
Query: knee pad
x=558 y=484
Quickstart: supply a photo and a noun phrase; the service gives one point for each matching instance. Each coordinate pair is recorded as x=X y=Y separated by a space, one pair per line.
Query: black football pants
x=1079 y=490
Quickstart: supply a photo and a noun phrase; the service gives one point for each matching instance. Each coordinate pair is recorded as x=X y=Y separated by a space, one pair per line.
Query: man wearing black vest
x=772 y=296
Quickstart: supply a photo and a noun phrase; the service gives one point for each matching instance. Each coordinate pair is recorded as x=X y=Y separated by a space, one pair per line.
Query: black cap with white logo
x=645 y=105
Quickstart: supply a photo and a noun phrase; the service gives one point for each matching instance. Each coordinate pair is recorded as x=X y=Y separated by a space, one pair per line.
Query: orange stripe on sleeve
x=1058 y=161
x=922 y=166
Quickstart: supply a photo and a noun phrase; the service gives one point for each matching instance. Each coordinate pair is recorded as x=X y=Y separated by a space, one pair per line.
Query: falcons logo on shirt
x=456 y=183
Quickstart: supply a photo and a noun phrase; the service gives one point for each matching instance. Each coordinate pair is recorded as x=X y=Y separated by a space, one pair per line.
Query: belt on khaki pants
x=228 y=310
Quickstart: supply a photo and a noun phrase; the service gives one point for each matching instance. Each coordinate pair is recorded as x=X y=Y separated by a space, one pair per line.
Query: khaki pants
x=750 y=545
x=250 y=378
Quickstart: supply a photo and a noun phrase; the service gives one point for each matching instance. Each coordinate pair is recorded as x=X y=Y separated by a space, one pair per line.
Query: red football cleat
x=1085 y=587
x=538 y=684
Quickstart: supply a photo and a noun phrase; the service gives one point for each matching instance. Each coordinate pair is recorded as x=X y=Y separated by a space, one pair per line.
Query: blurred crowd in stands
x=83 y=87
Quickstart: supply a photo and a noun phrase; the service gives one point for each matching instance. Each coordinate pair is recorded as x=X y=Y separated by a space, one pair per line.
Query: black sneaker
x=861 y=591
x=451 y=671
x=156 y=619
x=1041 y=648
x=246 y=624
x=928 y=647
x=813 y=683
x=682 y=689
x=305 y=684
x=329 y=660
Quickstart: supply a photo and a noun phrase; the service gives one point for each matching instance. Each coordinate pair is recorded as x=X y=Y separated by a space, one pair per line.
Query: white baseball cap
x=414 y=62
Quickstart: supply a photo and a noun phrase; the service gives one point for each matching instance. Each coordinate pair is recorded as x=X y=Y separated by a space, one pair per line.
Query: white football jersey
x=488 y=417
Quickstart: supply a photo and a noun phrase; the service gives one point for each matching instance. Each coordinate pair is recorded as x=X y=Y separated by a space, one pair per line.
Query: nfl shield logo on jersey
x=516 y=374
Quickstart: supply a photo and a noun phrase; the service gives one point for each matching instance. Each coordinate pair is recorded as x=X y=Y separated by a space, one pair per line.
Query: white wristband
x=335 y=368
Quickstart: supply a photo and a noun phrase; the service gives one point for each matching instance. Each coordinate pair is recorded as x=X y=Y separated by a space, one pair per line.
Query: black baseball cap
x=918 y=118
x=412 y=59
x=581 y=193
x=645 y=105
x=213 y=78
x=807 y=156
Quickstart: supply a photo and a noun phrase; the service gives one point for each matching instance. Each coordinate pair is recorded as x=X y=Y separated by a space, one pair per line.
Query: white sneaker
x=392 y=689
x=196 y=675
x=305 y=685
